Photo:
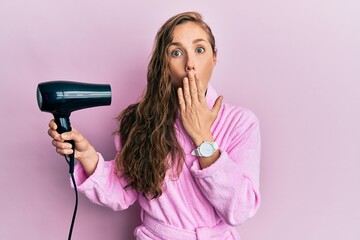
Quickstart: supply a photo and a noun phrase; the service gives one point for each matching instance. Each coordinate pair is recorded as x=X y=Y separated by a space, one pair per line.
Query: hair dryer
x=63 y=97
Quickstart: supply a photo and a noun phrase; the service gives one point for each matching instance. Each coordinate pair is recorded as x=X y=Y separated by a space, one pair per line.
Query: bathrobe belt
x=164 y=231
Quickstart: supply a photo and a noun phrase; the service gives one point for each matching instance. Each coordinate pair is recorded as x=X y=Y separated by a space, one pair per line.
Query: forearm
x=89 y=160
x=232 y=191
x=104 y=187
x=207 y=161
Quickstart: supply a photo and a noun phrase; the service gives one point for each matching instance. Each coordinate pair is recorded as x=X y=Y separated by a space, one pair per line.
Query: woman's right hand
x=84 y=151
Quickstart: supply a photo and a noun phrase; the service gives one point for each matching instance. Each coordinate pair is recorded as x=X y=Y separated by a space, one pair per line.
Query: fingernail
x=64 y=135
x=68 y=151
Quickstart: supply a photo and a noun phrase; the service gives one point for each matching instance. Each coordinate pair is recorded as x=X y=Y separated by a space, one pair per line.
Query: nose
x=190 y=63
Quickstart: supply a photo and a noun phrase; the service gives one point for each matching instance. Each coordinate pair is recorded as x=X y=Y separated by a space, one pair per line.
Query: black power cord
x=71 y=171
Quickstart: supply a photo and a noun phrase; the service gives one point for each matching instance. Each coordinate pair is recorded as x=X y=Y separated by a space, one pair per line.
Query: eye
x=176 y=53
x=200 y=50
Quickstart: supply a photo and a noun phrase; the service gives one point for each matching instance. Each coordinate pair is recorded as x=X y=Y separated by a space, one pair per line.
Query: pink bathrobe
x=202 y=203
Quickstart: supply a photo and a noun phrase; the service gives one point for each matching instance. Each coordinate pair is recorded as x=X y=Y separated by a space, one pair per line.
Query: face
x=190 y=52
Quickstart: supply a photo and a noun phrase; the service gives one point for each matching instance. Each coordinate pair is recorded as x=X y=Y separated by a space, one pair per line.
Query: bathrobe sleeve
x=104 y=187
x=231 y=184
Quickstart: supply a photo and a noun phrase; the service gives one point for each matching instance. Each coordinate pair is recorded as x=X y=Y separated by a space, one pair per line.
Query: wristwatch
x=206 y=149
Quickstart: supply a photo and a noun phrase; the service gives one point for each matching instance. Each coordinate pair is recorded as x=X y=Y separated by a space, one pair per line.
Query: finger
x=217 y=105
x=72 y=135
x=64 y=151
x=55 y=135
x=193 y=88
x=52 y=125
x=62 y=148
x=200 y=89
x=181 y=99
x=68 y=136
x=186 y=92
x=61 y=145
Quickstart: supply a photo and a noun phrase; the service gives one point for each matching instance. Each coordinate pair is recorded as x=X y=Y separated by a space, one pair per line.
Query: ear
x=215 y=56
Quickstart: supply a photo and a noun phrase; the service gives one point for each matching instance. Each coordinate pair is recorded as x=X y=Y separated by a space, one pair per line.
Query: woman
x=190 y=160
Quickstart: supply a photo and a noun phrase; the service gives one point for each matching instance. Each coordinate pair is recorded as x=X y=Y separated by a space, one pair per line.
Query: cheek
x=206 y=71
x=177 y=73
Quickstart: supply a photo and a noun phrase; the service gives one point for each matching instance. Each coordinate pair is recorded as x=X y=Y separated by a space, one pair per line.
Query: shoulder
x=241 y=116
x=231 y=114
x=235 y=125
x=231 y=119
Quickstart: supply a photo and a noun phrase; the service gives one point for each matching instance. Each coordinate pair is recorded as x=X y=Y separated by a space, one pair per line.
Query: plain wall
x=294 y=63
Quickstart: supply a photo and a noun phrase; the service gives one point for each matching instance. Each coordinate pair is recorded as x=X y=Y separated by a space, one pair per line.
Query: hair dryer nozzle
x=63 y=97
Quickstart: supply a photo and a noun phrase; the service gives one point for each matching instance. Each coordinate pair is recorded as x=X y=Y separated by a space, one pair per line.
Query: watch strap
x=196 y=151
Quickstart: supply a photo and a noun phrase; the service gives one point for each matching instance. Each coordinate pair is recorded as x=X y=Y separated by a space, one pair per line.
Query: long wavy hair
x=147 y=128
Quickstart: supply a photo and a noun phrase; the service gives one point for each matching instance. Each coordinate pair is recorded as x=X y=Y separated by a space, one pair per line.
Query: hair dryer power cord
x=71 y=167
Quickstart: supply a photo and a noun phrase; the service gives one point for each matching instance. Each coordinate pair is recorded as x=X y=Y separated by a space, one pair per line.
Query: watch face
x=206 y=149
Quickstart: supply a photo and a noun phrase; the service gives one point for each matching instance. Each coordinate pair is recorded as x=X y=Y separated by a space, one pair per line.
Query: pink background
x=294 y=63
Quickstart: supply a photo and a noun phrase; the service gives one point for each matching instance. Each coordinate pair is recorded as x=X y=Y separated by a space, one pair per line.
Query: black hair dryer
x=63 y=97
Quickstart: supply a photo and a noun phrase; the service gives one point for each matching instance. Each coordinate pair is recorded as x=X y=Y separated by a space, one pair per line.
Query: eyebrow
x=194 y=42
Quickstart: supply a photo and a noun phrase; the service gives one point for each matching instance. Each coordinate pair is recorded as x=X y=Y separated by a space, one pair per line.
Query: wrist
x=89 y=160
x=204 y=138
x=88 y=156
x=205 y=150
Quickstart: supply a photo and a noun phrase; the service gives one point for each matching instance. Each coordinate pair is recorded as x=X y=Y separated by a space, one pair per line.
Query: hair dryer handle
x=63 y=125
